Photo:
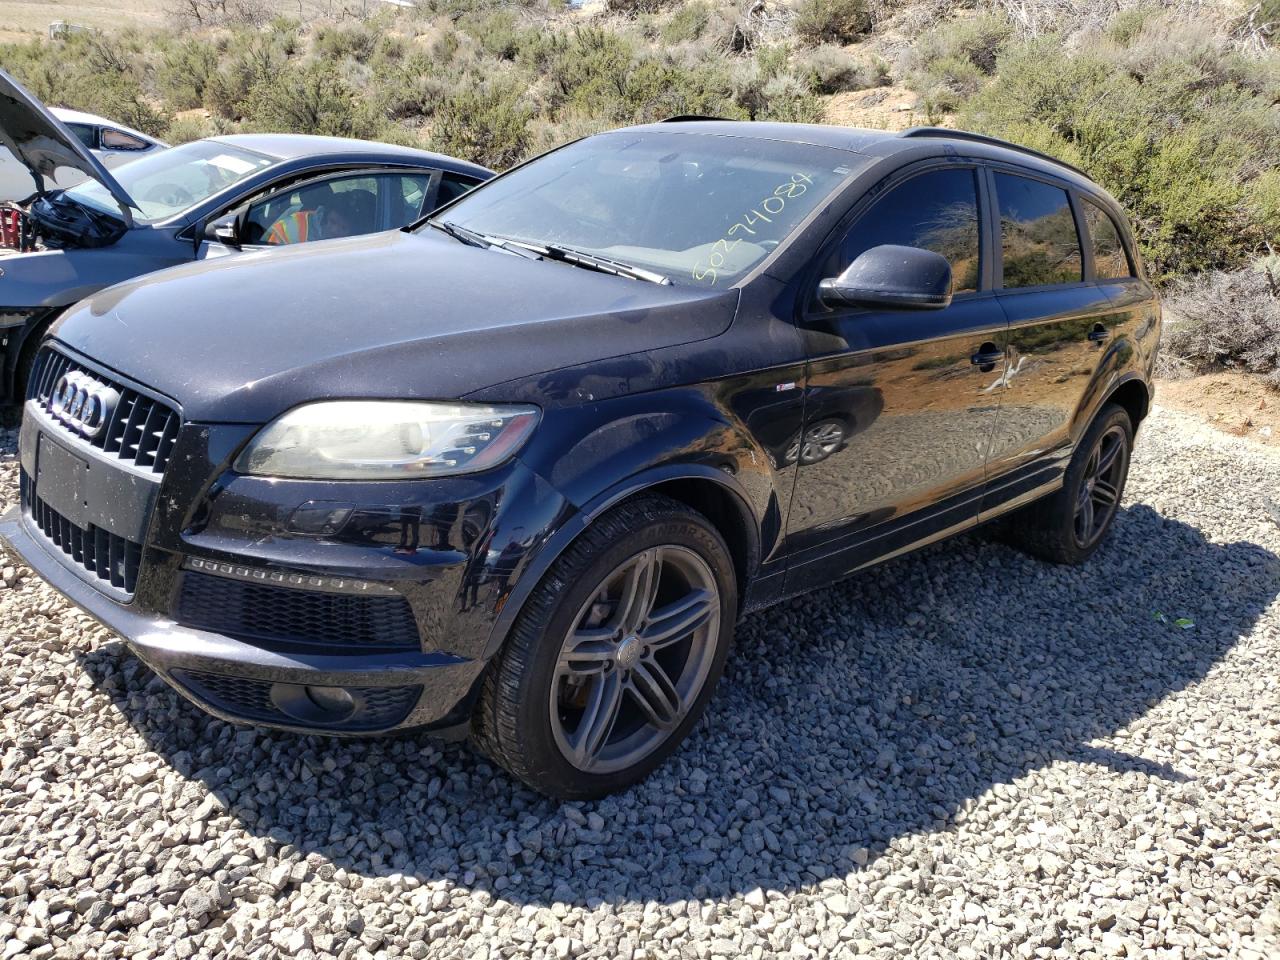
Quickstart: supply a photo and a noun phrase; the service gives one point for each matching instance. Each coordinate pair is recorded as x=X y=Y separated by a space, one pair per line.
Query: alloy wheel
x=1100 y=485
x=636 y=659
x=821 y=440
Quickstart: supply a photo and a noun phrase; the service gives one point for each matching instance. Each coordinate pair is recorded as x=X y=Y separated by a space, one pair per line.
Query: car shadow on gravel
x=891 y=704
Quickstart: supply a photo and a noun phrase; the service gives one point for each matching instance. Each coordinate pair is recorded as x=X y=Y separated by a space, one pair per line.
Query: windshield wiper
x=461 y=234
x=551 y=251
x=483 y=240
x=593 y=261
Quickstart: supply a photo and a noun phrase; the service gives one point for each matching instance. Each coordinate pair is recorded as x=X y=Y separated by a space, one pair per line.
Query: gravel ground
x=963 y=754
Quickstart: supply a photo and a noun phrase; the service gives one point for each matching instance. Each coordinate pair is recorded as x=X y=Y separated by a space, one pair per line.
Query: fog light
x=335 y=701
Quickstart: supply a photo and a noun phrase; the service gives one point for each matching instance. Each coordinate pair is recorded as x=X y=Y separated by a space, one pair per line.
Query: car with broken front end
x=205 y=199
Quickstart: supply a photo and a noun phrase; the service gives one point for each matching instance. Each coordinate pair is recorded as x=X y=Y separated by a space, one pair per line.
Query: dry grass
x=22 y=18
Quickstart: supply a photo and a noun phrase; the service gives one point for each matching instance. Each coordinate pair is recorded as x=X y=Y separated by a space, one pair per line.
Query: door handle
x=1099 y=333
x=987 y=357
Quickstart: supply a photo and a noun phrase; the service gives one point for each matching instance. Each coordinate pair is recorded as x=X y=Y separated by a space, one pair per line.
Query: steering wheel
x=170 y=194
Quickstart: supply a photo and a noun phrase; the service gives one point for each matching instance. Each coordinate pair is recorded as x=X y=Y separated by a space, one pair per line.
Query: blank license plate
x=62 y=481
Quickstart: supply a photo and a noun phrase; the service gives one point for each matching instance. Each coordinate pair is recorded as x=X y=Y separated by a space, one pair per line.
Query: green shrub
x=184 y=72
x=311 y=98
x=977 y=40
x=787 y=99
x=1177 y=138
x=831 y=21
x=252 y=59
x=688 y=23
x=489 y=126
x=188 y=128
x=634 y=7
x=499 y=34
x=410 y=89
x=359 y=41
x=91 y=72
x=949 y=82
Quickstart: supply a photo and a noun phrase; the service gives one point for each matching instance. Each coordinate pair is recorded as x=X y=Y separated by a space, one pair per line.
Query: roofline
x=943 y=133
x=348 y=148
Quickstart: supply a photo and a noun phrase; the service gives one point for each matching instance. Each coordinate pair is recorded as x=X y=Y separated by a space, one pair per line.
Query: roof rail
x=993 y=141
x=689 y=117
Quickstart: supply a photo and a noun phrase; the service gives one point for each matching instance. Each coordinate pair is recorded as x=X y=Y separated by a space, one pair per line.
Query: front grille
x=111 y=559
x=141 y=429
x=376 y=707
x=253 y=611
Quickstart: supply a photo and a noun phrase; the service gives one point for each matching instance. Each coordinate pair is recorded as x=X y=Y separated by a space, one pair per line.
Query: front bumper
x=244 y=682
x=316 y=606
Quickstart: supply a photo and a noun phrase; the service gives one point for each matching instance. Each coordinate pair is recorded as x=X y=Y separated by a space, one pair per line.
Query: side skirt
x=901 y=536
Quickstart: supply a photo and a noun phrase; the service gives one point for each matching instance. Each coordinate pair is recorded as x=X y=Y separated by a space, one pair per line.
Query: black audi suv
x=515 y=472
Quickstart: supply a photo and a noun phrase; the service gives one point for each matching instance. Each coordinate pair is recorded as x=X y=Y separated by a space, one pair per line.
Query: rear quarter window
x=1110 y=262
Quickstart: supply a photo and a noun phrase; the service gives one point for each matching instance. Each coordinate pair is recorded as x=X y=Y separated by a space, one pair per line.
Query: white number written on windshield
x=749 y=225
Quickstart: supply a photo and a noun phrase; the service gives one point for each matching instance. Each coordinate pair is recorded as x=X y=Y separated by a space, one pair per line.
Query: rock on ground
x=963 y=753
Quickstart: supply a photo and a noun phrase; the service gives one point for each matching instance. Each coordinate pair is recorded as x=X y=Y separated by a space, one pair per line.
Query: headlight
x=387 y=440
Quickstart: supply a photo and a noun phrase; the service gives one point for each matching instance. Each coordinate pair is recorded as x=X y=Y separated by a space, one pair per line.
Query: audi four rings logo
x=83 y=403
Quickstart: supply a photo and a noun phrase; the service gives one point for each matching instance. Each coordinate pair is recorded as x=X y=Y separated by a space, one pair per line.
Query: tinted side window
x=1038 y=236
x=453 y=186
x=1109 y=259
x=938 y=211
x=85 y=134
x=408 y=194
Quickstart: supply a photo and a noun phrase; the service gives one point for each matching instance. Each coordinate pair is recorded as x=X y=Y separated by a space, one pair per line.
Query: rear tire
x=615 y=654
x=1070 y=525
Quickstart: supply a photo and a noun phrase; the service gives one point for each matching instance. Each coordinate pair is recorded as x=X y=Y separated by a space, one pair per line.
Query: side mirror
x=226 y=229
x=905 y=278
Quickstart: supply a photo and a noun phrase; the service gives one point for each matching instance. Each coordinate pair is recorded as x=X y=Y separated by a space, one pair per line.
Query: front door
x=900 y=403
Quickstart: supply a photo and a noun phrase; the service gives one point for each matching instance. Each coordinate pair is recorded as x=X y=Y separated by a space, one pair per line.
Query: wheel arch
x=1130 y=392
x=24 y=341
x=1134 y=395
x=710 y=491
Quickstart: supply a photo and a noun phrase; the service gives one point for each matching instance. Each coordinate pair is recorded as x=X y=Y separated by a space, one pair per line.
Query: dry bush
x=830 y=69
x=1225 y=320
x=831 y=21
x=219 y=13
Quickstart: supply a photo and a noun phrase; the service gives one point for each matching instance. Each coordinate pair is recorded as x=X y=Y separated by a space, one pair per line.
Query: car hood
x=392 y=315
x=43 y=144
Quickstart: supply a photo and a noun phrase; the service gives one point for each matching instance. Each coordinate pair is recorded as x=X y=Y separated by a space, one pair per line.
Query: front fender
x=589 y=450
x=537 y=566
x=596 y=455
x=59 y=278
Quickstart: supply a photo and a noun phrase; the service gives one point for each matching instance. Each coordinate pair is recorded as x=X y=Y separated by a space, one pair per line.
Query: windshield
x=699 y=209
x=168 y=182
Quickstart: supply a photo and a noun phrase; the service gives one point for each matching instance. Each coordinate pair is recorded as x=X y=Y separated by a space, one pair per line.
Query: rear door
x=900 y=403
x=1060 y=320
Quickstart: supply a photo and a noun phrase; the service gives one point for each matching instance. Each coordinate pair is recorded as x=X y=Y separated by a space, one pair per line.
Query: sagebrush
x=1225 y=320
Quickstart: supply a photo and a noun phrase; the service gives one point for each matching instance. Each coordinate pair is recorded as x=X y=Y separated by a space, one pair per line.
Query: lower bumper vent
x=111 y=559
x=256 y=612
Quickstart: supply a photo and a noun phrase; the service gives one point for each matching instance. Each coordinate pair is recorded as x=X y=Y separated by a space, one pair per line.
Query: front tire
x=1069 y=526
x=615 y=654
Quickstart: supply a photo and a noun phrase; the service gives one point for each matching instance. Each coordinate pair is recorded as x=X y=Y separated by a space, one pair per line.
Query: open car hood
x=41 y=142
